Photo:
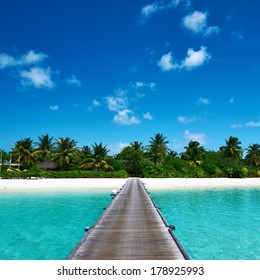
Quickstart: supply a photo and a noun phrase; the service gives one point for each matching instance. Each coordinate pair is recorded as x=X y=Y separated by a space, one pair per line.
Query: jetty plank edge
x=131 y=228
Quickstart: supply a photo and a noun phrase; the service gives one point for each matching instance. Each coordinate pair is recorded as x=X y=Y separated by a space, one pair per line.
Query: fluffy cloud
x=117 y=148
x=186 y=119
x=117 y=102
x=126 y=117
x=193 y=136
x=194 y=59
x=151 y=9
x=95 y=103
x=166 y=62
x=148 y=116
x=121 y=102
x=148 y=10
x=197 y=23
x=236 y=125
x=73 y=80
x=31 y=58
x=54 y=108
x=145 y=85
x=203 y=101
x=253 y=124
x=37 y=77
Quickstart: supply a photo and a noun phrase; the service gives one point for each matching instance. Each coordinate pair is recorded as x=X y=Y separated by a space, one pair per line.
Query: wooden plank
x=131 y=228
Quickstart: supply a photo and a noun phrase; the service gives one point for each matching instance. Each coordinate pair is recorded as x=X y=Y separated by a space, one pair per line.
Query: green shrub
x=63 y=174
x=156 y=171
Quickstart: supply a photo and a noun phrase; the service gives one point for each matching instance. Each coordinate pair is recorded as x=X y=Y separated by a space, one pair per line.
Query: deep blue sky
x=116 y=71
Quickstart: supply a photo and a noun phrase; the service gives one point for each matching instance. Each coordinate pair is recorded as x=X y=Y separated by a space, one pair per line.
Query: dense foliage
x=62 y=158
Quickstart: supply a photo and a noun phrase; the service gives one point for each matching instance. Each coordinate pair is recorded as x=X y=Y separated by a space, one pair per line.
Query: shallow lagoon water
x=214 y=224
x=210 y=224
x=46 y=224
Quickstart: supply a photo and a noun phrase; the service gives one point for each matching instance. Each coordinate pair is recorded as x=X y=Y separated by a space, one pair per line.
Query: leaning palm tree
x=25 y=153
x=65 y=152
x=194 y=152
x=253 y=154
x=158 y=149
x=45 y=146
x=96 y=158
x=232 y=149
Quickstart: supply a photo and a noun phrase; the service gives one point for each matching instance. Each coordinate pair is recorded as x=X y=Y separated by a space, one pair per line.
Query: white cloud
x=203 y=101
x=166 y=62
x=121 y=102
x=194 y=59
x=186 y=119
x=145 y=85
x=117 y=148
x=37 y=77
x=54 y=108
x=73 y=80
x=151 y=9
x=6 y=60
x=193 y=136
x=211 y=30
x=95 y=103
x=148 y=116
x=125 y=117
x=236 y=125
x=197 y=23
x=148 y=10
x=253 y=124
x=31 y=58
x=117 y=102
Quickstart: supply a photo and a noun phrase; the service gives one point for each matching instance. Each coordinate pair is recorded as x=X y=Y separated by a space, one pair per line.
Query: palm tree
x=65 y=152
x=158 y=149
x=45 y=146
x=253 y=154
x=96 y=158
x=232 y=149
x=134 y=155
x=194 y=152
x=25 y=153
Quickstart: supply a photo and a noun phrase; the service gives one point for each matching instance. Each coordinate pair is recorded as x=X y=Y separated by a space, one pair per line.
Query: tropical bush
x=63 y=174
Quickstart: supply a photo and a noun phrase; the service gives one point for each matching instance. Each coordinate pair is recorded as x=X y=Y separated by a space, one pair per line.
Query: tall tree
x=65 y=152
x=133 y=155
x=253 y=154
x=232 y=149
x=96 y=158
x=194 y=152
x=44 y=146
x=25 y=153
x=158 y=149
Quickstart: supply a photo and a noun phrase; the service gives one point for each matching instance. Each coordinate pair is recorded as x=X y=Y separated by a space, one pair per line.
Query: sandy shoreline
x=165 y=183
x=201 y=183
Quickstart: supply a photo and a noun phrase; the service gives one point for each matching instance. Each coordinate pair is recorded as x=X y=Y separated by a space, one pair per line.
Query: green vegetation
x=62 y=158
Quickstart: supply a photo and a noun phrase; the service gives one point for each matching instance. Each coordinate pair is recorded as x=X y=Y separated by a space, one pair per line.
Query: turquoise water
x=46 y=225
x=214 y=224
x=211 y=224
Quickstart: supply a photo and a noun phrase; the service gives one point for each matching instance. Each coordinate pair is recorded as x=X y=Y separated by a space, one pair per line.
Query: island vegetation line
x=62 y=158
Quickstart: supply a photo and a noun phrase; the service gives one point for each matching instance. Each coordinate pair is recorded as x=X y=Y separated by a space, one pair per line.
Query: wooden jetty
x=131 y=228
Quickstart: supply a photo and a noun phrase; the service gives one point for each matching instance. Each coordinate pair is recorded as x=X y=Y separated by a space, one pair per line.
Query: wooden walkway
x=132 y=228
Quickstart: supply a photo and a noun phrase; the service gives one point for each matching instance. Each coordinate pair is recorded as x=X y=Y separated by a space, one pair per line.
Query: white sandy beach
x=200 y=183
x=151 y=183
